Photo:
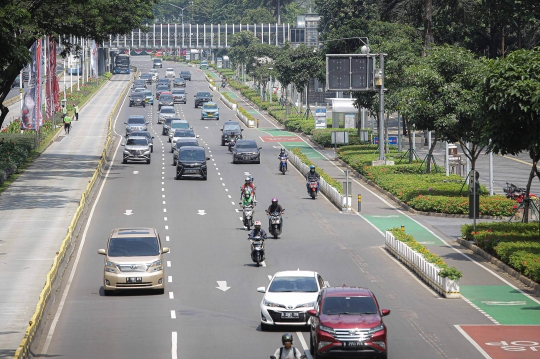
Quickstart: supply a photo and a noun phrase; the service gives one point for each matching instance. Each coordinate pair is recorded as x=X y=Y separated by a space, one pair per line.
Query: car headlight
x=306 y=305
x=204 y=113
x=324 y=328
x=376 y=329
x=146 y=152
x=110 y=267
x=156 y=266
x=272 y=304
x=126 y=152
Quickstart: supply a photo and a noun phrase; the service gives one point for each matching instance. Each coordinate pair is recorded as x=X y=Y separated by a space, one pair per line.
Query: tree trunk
x=405 y=129
x=534 y=171
x=502 y=41
x=430 y=154
x=428 y=20
x=411 y=144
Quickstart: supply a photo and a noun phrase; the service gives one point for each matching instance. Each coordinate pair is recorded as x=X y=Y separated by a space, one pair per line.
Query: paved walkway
x=37 y=209
x=498 y=295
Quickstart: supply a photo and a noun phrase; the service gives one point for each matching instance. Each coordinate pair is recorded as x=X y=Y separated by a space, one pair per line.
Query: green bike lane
x=491 y=294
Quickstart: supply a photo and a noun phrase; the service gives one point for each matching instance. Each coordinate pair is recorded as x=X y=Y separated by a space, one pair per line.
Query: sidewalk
x=481 y=286
x=37 y=209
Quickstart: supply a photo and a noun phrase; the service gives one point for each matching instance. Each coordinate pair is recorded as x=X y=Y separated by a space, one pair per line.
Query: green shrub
x=526 y=263
x=229 y=98
x=499 y=206
x=324 y=136
x=332 y=182
x=107 y=75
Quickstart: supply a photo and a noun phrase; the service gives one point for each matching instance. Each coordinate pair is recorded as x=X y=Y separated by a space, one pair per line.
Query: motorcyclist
x=275 y=207
x=287 y=351
x=248 y=197
x=283 y=154
x=248 y=183
x=257 y=231
x=311 y=176
x=232 y=141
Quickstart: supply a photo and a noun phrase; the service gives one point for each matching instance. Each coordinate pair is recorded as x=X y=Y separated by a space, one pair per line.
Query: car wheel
x=148 y=161
x=172 y=150
x=129 y=105
x=265 y=327
x=124 y=161
x=108 y=292
x=222 y=143
x=160 y=291
x=152 y=149
x=143 y=105
x=311 y=346
x=205 y=178
x=196 y=106
x=259 y=162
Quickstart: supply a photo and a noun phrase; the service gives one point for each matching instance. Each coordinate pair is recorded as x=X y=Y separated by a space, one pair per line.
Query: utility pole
x=381 y=109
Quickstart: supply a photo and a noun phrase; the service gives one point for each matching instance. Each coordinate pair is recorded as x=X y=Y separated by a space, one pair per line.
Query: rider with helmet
x=257 y=231
x=287 y=351
x=312 y=176
x=275 y=207
x=248 y=183
x=283 y=154
x=248 y=197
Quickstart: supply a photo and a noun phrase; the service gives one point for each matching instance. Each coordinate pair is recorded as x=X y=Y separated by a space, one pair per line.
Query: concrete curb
x=62 y=256
x=535 y=287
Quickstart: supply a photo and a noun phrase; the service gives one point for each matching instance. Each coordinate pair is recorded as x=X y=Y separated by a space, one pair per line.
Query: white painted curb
x=244 y=119
x=233 y=106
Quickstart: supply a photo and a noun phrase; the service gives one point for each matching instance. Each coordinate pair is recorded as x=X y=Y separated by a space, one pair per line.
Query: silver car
x=164 y=112
x=155 y=75
x=179 y=95
x=135 y=123
x=136 y=149
x=177 y=125
x=182 y=134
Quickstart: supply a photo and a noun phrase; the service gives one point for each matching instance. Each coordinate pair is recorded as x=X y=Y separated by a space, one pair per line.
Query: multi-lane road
x=196 y=319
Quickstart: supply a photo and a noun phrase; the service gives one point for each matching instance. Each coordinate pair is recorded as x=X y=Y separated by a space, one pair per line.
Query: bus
x=219 y=63
x=121 y=64
x=203 y=65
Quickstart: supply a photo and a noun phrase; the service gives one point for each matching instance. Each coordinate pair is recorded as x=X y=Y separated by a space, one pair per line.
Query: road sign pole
x=381 y=110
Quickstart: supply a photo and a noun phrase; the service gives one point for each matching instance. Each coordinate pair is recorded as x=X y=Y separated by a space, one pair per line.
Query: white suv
x=170 y=72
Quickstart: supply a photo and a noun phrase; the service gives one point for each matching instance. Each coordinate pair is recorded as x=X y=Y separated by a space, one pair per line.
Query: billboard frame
x=370 y=73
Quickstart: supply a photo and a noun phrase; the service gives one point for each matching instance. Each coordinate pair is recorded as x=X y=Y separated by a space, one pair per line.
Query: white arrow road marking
x=247 y=174
x=171 y=295
x=173 y=314
x=128 y=212
x=135 y=172
x=201 y=212
x=206 y=127
x=263 y=263
x=517 y=302
x=222 y=285
x=269 y=277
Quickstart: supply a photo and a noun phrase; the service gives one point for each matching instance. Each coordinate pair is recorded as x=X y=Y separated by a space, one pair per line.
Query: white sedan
x=182 y=133
x=289 y=296
x=170 y=72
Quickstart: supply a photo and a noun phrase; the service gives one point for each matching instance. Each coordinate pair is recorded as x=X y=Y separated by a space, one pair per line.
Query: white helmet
x=258 y=224
x=248 y=179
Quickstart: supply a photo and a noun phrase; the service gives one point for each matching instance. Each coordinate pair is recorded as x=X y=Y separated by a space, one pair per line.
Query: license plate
x=353 y=344
x=210 y=115
x=134 y=280
x=247 y=157
x=289 y=315
x=191 y=171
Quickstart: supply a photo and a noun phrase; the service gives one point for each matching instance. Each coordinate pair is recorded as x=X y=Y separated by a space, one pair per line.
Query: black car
x=179 y=82
x=246 y=151
x=137 y=99
x=146 y=77
x=165 y=82
x=157 y=63
x=139 y=83
x=191 y=162
x=181 y=143
x=165 y=100
x=144 y=134
x=186 y=75
x=230 y=128
x=202 y=97
x=160 y=89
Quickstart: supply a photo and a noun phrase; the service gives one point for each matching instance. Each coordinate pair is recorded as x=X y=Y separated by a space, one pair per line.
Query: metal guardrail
x=427 y=271
x=30 y=333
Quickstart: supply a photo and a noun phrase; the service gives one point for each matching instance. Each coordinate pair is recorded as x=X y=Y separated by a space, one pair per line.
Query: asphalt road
x=194 y=319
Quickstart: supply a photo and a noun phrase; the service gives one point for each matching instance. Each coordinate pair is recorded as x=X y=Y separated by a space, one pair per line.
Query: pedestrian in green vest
x=67 y=123
x=76 y=109
x=64 y=111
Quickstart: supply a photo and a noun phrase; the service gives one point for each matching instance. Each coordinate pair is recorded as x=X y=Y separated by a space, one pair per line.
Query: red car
x=347 y=322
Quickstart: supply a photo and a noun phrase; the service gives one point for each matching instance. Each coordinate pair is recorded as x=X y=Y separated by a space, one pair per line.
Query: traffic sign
x=392 y=140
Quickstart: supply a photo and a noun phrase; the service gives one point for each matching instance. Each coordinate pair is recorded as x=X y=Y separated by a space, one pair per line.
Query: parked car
x=179 y=82
x=346 y=322
x=201 y=97
x=137 y=99
x=186 y=75
x=136 y=149
x=288 y=297
x=179 y=95
x=146 y=77
x=146 y=134
x=136 y=123
x=210 y=111
x=139 y=83
x=246 y=151
x=188 y=133
x=148 y=97
x=230 y=128
x=157 y=63
x=177 y=125
x=181 y=142
x=155 y=74
x=170 y=72
x=133 y=260
x=191 y=162
x=160 y=89
x=165 y=100
x=164 y=112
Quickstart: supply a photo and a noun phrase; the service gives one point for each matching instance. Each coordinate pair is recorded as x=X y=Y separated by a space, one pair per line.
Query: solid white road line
x=174 y=346
x=81 y=245
x=173 y=314
x=304 y=344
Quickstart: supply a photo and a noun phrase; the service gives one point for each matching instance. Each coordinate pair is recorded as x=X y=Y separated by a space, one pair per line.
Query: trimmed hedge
x=516 y=244
x=332 y=182
x=446 y=272
x=324 y=136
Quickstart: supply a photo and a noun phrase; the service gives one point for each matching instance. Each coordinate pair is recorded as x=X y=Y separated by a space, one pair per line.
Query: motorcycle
x=223 y=84
x=283 y=164
x=274 y=223
x=247 y=216
x=257 y=249
x=232 y=142
x=313 y=189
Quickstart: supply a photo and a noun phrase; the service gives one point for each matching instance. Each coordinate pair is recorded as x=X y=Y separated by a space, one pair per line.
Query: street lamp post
x=181 y=8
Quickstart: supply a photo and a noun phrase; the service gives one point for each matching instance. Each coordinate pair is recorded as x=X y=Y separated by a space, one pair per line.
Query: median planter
x=233 y=106
x=249 y=122
x=430 y=273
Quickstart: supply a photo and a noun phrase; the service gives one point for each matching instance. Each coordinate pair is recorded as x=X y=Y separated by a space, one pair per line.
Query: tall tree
x=304 y=66
x=23 y=22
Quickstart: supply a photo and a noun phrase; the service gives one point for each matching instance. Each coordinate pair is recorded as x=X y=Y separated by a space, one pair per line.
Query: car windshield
x=139 y=89
x=157 y=61
x=178 y=92
x=137 y=95
x=170 y=69
x=165 y=98
x=141 y=134
x=203 y=94
x=148 y=93
x=133 y=247
x=192 y=155
x=186 y=143
x=163 y=88
x=241 y=144
x=184 y=133
x=231 y=128
x=210 y=106
x=349 y=305
x=146 y=76
x=167 y=110
x=179 y=80
x=180 y=125
x=136 y=121
x=185 y=72
x=136 y=142
x=293 y=284
x=141 y=82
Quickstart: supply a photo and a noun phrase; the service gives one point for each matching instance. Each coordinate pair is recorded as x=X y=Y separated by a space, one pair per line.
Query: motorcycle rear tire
x=275 y=235
x=313 y=194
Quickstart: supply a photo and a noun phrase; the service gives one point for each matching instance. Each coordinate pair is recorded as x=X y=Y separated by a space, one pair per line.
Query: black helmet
x=286 y=338
x=282 y=150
